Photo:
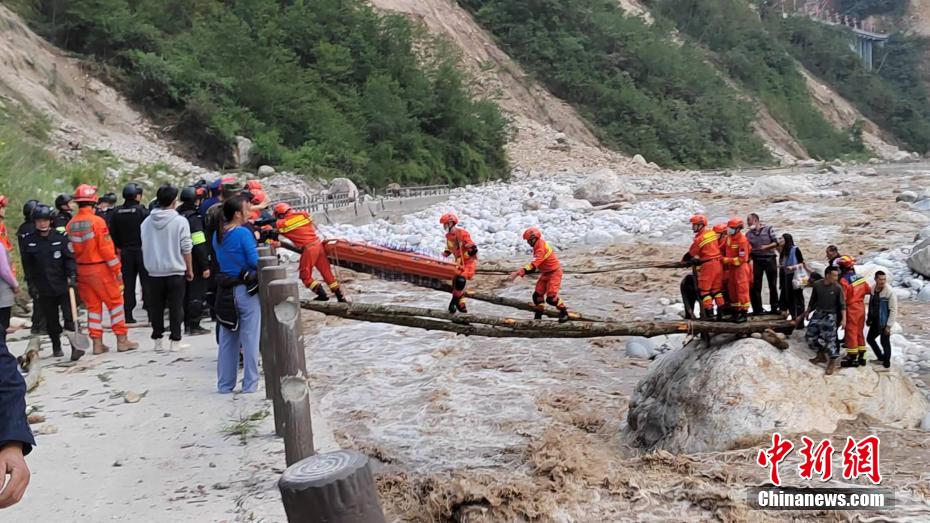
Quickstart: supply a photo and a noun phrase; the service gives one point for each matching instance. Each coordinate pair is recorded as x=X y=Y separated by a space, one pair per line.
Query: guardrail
x=325 y=202
x=413 y=192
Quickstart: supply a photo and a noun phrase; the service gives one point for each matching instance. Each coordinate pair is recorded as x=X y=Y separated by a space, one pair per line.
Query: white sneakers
x=173 y=346
x=159 y=345
x=176 y=346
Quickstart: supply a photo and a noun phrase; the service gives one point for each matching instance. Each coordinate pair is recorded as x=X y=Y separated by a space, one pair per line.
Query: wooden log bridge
x=507 y=327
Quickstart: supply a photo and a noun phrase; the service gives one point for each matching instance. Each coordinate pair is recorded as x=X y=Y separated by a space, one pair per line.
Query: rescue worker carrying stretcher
x=704 y=254
x=738 y=269
x=550 y=275
x=99 y=280
x=460 y=245
x=297 y=226
x=855 y=289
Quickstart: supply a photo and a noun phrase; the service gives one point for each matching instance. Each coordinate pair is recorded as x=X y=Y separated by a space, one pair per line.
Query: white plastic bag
x=800 y=278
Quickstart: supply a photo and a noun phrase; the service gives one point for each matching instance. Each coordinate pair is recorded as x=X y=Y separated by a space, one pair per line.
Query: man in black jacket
x=126 y=230
x=50 y=271
x=106 y=204
x=191 y=197
x=63 y=212
x=16 y=439
x=38 y=320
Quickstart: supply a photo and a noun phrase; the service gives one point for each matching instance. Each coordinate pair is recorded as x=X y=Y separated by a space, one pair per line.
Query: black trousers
x=38 y=320
x=166 y=292
x=48 y=307
x=790 y=299
x=5 y=314
x=133 y=268
x=877 y=331
x=193 y=303
x=764 y=266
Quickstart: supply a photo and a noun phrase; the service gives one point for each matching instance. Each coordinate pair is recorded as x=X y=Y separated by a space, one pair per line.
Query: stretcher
x=390 y=264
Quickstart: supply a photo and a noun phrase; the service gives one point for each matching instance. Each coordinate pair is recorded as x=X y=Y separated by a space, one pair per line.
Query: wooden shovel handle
x=74 y=316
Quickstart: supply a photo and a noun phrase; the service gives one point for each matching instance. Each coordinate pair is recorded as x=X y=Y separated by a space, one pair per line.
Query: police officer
x=38 y=320
x=191 y=198
x=63 y=212
x=106 y=206
x=50 y=271
x=126 y=231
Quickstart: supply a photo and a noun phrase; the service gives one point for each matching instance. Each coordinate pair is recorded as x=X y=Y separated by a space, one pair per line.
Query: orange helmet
x=254 y=185
x=720 y=228
x=532 y=234
x=259 y=197
x=85 y=193
x=699 y=219
x=4 y=201
x=846 y=262
x=282 y=209
x=735 y=223
x=448 y=219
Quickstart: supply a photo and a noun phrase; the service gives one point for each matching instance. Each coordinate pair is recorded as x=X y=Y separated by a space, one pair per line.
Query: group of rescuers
x=98 y=251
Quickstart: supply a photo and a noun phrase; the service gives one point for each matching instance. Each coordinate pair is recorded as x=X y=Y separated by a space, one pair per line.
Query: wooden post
x=264 y=261
x=267 y=275
x=336 y=487
x=292 y=393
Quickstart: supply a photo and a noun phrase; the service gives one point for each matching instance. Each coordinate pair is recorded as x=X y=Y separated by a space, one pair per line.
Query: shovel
x=79 y=342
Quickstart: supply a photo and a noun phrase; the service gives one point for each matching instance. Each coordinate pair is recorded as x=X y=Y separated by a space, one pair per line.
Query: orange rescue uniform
x=298 y=228
x=460 y=245
x=855 y=289
x=710 y=272
x=5 y=240
x=738 y=273
x=550 y=275
x=99 y=280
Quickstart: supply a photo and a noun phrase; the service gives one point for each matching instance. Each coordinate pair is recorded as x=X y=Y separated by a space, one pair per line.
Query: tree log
x=518 y=304
x=492 y=270
x=335 y=487
x=503 y=327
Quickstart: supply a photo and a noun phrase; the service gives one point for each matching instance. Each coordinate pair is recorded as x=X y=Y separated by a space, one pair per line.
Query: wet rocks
x=603 y=187
x=919 y=260
x=781 y=185
x=906 y=196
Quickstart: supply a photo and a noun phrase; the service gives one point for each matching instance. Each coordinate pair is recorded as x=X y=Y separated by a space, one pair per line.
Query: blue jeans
x=246 y=337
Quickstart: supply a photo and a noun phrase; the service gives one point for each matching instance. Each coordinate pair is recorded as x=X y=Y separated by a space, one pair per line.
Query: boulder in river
x=781 y=185
x=906 y=196
x=603 y=187
x=919 y=260
x=697 y=399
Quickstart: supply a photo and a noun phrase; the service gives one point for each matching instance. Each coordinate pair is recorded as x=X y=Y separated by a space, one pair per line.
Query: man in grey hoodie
x=166 y=253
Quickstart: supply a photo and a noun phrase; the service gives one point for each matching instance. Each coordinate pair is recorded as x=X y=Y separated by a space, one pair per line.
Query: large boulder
x=564 y=201
x=343 y=186
x=781 y=185
x=907 y=197
x=242 y=154
x=696 y=399
x=265 y=171
x=919 y=260
x=603 y=187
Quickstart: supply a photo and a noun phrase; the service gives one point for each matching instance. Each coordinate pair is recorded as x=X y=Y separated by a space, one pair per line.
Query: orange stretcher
x=390 y=264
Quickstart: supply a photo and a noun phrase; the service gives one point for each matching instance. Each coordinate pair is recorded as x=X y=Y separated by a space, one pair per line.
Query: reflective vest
x=90 y=240
x=298 y=227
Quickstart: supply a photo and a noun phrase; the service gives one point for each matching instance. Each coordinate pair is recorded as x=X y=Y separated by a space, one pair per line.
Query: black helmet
x=189 y=194
x=42 y=212
x=131 y=190
x=108 y=198
x=62 y=199
x=29 y=207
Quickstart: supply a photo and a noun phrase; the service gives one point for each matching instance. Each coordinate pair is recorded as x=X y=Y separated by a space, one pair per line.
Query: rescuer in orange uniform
x=99 y=280
x=855 y=289
x=550 y=275
x=297 y=226
x=738 y=269
x=460 y=245
x=705 y=255
x=721 y=230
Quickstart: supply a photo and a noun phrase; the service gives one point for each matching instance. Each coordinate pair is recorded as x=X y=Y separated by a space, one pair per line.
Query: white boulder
x=697 y=399
x=922 y=234
x=922 y=205
x=603 y=187
x=564 y=201
x=906 y=196
x=265 y=171
x=924 y=294
x=781 y=185
x=242 y=154
x=919 y=260
x=639 y=347
x=344 y=186
x=640 y=160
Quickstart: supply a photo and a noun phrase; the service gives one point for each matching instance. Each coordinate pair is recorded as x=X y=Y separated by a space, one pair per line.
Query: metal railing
x=413 y=192
x=325 y=202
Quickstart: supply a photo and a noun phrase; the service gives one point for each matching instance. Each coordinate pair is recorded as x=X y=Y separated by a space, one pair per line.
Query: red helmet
x=282 y=209
x=699 y=219
x=254 y=185
x=846 y=262
x=85 y=193
x=532 y=234
x=448 y=219
x=259 y=197
x=735 y=223
x=4 y=201
x=720 y=228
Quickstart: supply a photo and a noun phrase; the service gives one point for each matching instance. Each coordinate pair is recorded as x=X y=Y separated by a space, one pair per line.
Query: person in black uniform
x=50 y=270
x=38 y=320
x=63 y=212
x=191 y=197
x=106 y=204
x=126 y=230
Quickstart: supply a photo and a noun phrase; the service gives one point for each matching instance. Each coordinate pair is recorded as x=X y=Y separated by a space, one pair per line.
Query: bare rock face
x=697 y=399
x=603 y=187
x=919 y=260
x=242 y=154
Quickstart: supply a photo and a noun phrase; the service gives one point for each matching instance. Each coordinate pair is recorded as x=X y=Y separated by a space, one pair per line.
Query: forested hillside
x=326 y=86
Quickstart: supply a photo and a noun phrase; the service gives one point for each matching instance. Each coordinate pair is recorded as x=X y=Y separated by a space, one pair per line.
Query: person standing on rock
x=764 y=244
x=883 y=312
x=460 y=245
x=50 y=271
x=704 y=254
x=196 y=288
x=166 y=250
x=298 y=227
x=126 y=228
x=791 y=298
x=855 y=288
x=738 y=264
x=27 y=227
x=550 y=275
x=99 y=280
x=63 y=212
x=826 y=306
